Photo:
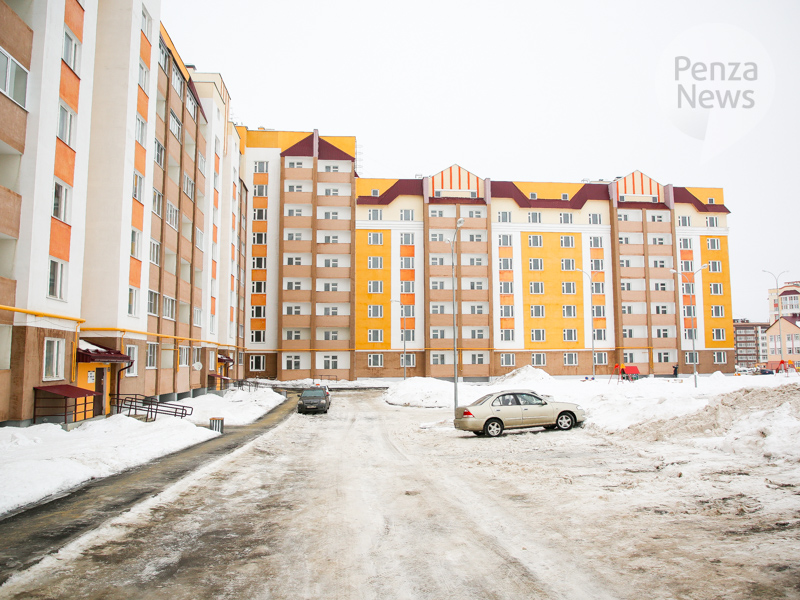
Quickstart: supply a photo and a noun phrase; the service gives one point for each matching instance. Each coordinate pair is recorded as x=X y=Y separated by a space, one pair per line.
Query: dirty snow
x=237 y=407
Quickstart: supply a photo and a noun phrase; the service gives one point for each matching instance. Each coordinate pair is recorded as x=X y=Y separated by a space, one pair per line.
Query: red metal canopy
x=67 y=391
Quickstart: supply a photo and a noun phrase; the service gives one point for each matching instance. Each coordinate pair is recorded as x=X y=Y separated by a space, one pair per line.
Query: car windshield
x=480 y=400
x=313 y=394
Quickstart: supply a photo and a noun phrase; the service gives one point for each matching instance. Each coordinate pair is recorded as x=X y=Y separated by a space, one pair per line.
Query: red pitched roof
x=402 y=187
x=684 y=196
x=328 y=151
x=67 y=391
x=304 y=147
x=589 y=191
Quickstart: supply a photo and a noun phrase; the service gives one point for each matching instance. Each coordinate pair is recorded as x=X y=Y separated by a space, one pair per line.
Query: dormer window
x=376 y=192
x=711 y=201
x=533 y=196
x=565 y=196
x=437 y=194
x=473 y=194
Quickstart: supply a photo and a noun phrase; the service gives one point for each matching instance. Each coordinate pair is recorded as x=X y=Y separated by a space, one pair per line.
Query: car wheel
x=493 y=427
x=478 y=432
x=565 y=421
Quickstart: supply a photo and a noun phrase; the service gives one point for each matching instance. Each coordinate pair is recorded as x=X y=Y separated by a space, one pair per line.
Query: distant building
x=750 y=343
x=784 y=343
x=789 y=296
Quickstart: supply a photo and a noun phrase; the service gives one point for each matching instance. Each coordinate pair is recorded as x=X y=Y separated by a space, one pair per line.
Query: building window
x=177 y=80
x=569 y=311
x=406 y=214
x=534 y=217
x=437 y=334
x=537 y=311
x=66 y=124
x=507 y=335
x=374 y=287
x=570 y=359
x=151 y=356
x=375 y=311
x=61 y=193
x=504 y=216
x=188 y=186
x=720 y=358
x=684 y=221
x=504 y=240
x=627 y=357
x=565 y=218
x=712 y=221
x=375 y=214
x=173 y=215
x=408 y=360
x=158 y=202
x=599 y=335
x=138 y=187
x=257 y=336
x=568 y=287
x=257 y=362
x=374 y=360
x=598 y=287
x=538 y=335
x=536 y=264
x=159 y=154
x=717 y=311
x=601 y=358
x=567 y=264
x=375 y=335
x=538 y=359
x=53 y=359
x=292 y=362
x=197 y=318
x=175 y=126
x=13 y=79
x=507 y=360
x=718 y=335
x=570 y=335
x=535 y=241
x=567 y=241
x=71 y=51
x=184 y=354
x=168 y=305
x=133 y=302
x=374 y=262
x=715 y=266
x=595 y=219
x=716 y=289
x=537 y=287
x=136 y=242
x=506 y=264
x=691 y=358
x=713 y=243
x=437 y=359
x=191 y=106
x=57 y=284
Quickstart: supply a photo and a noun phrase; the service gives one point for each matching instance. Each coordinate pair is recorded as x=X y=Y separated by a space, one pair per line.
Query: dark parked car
x=766 y=372
x=314 y=400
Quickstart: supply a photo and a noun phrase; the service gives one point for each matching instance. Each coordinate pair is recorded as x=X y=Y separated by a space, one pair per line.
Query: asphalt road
x=30 y=535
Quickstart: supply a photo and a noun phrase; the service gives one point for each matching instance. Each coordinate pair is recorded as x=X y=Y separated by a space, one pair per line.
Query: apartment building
x=542 y=271
x=121 y=255
x=750 y=343
x=784 y=300
x=47 y=53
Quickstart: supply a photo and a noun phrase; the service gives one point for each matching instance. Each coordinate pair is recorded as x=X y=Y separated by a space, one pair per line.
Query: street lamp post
x=694 y=317
x=459 y=224
x=780 y=313
x=403 y=335
x=589 y=277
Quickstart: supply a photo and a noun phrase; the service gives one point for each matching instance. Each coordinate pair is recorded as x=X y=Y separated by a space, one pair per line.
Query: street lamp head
x=705 y=266
x=460 y=222
x=672 y=271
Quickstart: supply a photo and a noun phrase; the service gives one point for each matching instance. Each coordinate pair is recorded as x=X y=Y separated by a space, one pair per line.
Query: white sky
x=527 y=91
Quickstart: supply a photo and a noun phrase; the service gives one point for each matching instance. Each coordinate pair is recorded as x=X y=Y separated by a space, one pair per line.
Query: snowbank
x=44 y=460
x=237 y=407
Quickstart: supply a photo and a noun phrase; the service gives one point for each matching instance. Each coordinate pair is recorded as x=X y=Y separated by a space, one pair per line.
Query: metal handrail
x=150 y=406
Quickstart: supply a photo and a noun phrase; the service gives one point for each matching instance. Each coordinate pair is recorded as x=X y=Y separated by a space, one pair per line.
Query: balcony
x=473 y=247
x=475 y=295
x=631 y=272
x=10 y=207
x=441 y=271
x=668 y=342
x=297 y=295
x=659 y=296
x=334 y=200
x=333 y=248
x=295 y=321
x=334 y=224
x=474 y=223
x=625 y=226
x=440 y=320
x=302 y=246
x=468 y=344
x=295 y=344
x=656 y=227
x=474 y=271
x=332 y=344
x=442 y=223
x=332 y=321
x=329 y=177
x=298 y=175
x=438 y=248
x=631 y=320
x=440 y=295
x=661 y=273
x=332 y=297
x=659 y=250
x=8 y=293
x=468 y=320
x=664 y=319
x=297 y=222
x=631 y=249
x=442 y=344
x=633 y=296
x=297 y=270
x=333 y=272
x=297 y=197
x=14 y=119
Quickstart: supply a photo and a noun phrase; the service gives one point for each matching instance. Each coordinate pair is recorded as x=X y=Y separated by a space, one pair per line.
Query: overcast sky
x=534 y=91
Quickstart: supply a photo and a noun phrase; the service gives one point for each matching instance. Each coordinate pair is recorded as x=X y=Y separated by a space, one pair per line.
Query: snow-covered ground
x=44 y=460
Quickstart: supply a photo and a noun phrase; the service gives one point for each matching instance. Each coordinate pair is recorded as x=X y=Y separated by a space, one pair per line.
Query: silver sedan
x=512 y=409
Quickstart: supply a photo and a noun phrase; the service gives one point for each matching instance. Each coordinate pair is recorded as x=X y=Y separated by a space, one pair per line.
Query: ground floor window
x=691 y=358
x=601 y=358
x=374 y=360
x=408 y=360
x=292 y=362
x=720 y=358
x=257 y=362
x=152 y=355
x=133 y=352
x=53 y=359
x=437 y=359
x=538 y=359
x=507 y=360
x=330 y=361
x=570 y=359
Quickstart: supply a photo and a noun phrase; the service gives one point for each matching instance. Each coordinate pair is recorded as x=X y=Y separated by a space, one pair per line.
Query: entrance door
x=99 y=386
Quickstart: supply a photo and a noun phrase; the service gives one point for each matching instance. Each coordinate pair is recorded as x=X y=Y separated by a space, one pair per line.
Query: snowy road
x=364 y=503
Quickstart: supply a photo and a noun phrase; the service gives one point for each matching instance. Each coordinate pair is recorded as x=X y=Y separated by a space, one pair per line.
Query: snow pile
x=421 y=391
x=237 y=407
x=774 y=434
x=44 y=460
x=341 y=383
x=524 y=376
